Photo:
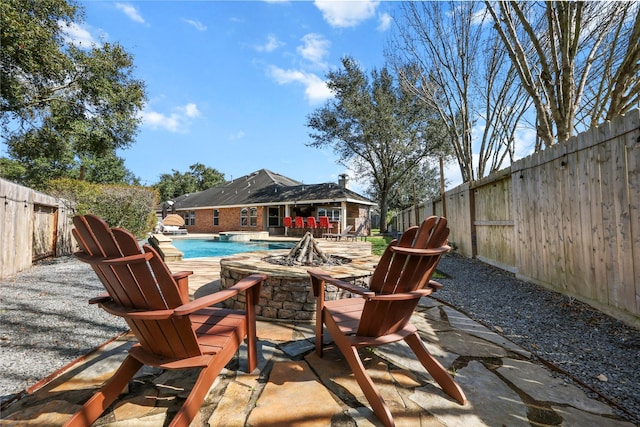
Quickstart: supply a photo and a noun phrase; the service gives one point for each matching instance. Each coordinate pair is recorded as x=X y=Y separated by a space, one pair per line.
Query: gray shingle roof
x=265 y=187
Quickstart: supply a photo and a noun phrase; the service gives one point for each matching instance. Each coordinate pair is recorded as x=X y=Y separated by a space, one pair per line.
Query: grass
x=378 y=242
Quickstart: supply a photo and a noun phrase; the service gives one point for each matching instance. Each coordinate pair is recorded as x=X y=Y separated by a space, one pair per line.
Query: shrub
x=130 y=207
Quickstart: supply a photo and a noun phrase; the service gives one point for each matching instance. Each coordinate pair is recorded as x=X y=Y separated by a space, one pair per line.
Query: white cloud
x=190 y=110
x=236 y=135
x=384 y=22
x=346 y=13
x=78 y=35
x=314 y=48
x=316 y=90
x=525 y=142
x=452 y=174
x=131 y=12
x=176 y=122
x=271 y=44
x=196 y=24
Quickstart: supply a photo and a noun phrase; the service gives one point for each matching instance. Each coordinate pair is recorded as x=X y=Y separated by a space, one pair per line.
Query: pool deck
x=206 y=277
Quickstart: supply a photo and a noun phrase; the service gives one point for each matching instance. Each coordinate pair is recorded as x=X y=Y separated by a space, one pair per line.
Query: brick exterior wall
x=228 y=220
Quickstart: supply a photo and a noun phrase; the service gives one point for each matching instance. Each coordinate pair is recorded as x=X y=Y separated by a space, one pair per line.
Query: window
x=189 y=218
x=249 y=217
x=274 y=217
x=244 y=217
x=253 y=217
x=332 y=213
x=216 y=217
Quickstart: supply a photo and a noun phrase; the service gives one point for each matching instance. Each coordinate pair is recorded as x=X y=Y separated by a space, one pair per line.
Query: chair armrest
x=100 y=299
x=435 y=285
x=325 y=277
x=181 y=275
x=131 y=259
x=420 y=252
x=135 y=313
x=209 y=300
x=182 y=279
x=418 y=293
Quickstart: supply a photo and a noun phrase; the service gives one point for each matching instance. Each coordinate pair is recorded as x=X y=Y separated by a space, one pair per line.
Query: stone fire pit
x=287 y=294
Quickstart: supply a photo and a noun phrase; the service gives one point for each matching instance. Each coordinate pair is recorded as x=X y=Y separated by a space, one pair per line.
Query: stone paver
x=541 y=385
x=294 y=396
x=293 y=386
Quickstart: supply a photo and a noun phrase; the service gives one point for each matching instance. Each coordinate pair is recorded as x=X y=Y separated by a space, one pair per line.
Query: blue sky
x=230 y=83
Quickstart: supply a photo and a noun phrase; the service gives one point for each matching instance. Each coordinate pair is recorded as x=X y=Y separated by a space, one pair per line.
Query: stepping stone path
x=293 y=386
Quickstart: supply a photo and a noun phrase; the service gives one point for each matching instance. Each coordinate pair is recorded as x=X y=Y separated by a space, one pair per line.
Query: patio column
x=343 y=215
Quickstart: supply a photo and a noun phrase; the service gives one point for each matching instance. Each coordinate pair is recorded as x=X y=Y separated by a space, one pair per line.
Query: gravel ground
x=45 y=323
x=600 y=352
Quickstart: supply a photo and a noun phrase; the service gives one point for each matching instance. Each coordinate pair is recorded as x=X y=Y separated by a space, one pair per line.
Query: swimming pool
x=199 y=248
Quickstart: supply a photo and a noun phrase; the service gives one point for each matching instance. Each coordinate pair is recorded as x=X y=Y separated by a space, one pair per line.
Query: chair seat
x=346 y=313
x=217 y=328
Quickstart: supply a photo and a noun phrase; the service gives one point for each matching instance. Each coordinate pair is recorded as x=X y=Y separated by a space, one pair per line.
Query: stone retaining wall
x=280 y=298
x=287 y=293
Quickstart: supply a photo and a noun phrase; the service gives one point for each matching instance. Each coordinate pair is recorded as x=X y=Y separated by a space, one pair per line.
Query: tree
x=579 y=61
x=377 y=128
x=456 y=66
x=198 y=178
x=61 y=102
x=205 y=177
x=107 y=169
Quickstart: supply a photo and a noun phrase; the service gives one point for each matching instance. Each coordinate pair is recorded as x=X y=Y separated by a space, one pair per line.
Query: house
x=261 y=200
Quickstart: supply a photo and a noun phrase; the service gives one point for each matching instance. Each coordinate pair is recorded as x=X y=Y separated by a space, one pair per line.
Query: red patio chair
x=324 y=224
x=299 y=225
x=312 y=225
x=172 y=332
x=288 y=223
x=382 y=313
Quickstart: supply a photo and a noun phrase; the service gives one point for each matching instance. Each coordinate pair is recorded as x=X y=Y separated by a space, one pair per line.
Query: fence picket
x=576 y=227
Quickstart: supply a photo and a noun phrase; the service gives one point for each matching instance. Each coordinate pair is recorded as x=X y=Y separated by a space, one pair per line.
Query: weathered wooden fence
x=33 y=226
x=567 y=218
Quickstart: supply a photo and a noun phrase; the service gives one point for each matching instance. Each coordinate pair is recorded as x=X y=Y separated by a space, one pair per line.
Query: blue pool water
x=198 y=248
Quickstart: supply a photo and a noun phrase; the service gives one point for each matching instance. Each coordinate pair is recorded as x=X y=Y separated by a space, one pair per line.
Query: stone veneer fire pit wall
x=287 y=294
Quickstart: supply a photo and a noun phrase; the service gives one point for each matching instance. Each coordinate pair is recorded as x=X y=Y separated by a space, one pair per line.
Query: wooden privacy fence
x=33 y=226
x=567 y=218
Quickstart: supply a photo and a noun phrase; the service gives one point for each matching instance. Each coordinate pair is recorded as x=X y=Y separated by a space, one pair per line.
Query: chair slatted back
x=141 y=285
x=401 y=273
x=311 y=222
x=299 y=222
x=324 y=222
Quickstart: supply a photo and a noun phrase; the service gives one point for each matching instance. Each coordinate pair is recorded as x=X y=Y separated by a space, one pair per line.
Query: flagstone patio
x=504 y=384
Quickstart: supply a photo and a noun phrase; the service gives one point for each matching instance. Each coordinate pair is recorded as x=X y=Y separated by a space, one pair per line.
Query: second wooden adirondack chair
x=382 y=314
x=173 y=333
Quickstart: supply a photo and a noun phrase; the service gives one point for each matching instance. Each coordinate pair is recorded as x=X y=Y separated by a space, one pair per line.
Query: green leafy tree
x=107 y=169
x=205 y=177
x=59 y=102
x=198 y=178
x=377 y=128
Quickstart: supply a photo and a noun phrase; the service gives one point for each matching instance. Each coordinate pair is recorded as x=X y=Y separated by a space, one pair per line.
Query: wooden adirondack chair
x=382 y=314
x=173 y=333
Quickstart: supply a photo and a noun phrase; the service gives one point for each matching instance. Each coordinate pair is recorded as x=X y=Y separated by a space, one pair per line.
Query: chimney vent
x=343 y=181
